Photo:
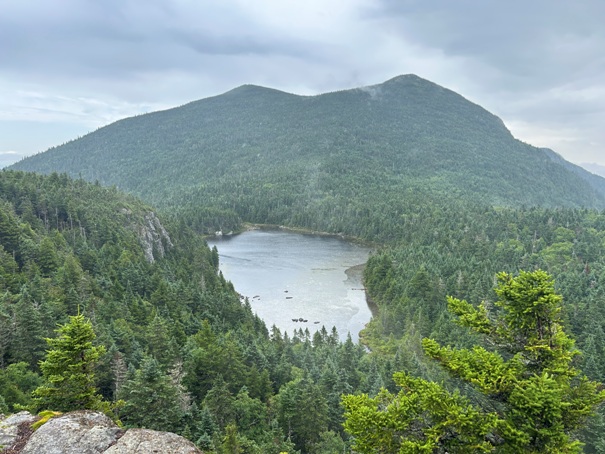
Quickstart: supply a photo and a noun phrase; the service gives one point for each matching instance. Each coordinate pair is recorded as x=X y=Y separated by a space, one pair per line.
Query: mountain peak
x=407 y=127
x=251 y=89
x=406 y=78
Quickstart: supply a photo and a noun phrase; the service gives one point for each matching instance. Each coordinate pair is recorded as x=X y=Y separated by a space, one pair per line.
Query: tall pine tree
x=534 y=399
x=69 y=369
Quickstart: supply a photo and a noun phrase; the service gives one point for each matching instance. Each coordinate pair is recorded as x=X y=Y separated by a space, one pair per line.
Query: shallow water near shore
x=291 y=276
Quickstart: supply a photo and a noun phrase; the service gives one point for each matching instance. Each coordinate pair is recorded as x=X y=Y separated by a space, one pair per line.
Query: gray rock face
x=80 y=432
x=153 y=236
x=139 y=441
x=9 y=426
x=88 y=432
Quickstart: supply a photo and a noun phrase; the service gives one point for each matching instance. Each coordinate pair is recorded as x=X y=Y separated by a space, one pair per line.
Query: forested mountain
x=174 y=341
x=437 y=181
x=262 y=155
x=595 y=168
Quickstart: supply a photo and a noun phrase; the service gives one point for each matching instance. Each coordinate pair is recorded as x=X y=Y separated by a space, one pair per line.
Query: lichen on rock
x=9 y=427
x=85 y=432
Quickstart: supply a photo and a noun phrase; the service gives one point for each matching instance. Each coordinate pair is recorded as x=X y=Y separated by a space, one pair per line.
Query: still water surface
x=289 y=276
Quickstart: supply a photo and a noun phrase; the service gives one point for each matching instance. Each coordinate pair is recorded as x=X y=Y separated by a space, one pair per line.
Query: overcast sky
x=68 y=67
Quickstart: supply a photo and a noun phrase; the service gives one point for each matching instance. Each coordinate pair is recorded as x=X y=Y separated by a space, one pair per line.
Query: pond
x=295 y=280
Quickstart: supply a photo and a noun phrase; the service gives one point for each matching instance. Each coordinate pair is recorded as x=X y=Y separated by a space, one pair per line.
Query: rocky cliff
x=84 y=432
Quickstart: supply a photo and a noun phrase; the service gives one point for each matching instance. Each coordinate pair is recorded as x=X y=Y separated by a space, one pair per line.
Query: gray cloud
x=539 y=65
x=538 y=62
x=125 y=38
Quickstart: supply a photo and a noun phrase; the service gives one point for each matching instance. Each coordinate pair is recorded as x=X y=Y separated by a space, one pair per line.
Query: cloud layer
x=70 y=66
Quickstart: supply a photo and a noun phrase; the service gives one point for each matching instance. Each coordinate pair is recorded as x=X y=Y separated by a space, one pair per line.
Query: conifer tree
x=69 y=369
x=9 y=231
x=151 y=399
x=534 y=399
x=28 y=331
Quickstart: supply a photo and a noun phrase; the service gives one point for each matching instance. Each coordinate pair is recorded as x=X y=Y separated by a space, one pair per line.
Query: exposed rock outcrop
x=9 y=427
x=151 y=234
x=153 y=237
x=85 y=432
x=150 y=441
x=79 y=432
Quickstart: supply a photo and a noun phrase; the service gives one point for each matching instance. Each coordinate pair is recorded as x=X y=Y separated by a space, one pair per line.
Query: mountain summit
x=266 y=154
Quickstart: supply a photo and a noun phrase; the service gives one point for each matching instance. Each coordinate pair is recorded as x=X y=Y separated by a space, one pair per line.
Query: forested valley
x=457 y=209
x=173 y=328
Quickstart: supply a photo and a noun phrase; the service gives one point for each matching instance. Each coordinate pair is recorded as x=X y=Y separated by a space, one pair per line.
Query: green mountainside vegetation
x=175 y=342
x=261 y=155
x=449 y=195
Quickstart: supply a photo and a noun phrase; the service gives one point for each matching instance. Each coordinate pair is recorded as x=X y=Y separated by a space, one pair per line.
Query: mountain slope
x=594 y=168
x=282 y=154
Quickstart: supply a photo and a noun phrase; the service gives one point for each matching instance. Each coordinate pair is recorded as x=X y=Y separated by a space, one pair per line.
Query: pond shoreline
x=247 y=226
x=298 y=273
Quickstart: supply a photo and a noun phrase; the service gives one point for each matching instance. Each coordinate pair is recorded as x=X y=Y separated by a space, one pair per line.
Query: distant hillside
x=262 y=155
x=594 y=168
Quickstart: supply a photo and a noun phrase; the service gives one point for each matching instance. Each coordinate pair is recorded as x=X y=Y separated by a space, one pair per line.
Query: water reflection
x=289 y=276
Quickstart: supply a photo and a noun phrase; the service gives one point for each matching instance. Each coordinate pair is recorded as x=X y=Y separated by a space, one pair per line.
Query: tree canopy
x=524 y=392
x=69 y=246
x=69 y=369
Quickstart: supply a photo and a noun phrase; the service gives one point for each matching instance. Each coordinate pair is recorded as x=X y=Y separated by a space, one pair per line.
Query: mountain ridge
x=594 y=168
x=255 y=144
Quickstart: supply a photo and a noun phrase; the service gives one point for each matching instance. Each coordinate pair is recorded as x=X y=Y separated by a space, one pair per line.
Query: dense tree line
x=460 y=255
x=321 y=162
x=524 y=393
x=174 y=341
x=174 y=329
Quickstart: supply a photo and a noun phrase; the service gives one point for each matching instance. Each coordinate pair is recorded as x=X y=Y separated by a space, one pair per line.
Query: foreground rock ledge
x=9 y=427
x=88 y=432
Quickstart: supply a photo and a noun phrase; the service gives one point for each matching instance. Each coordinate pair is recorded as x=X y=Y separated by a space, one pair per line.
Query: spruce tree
x=151 y=399
x=69 y=369
x=531 y=397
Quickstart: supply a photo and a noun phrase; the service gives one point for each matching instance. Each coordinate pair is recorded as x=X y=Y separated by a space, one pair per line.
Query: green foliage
x=176 y=311
x=338 y=162
x=152 y=400
x=534 y=399
x=68 y=369
x=302 y=426
x=74 y=245
x=422 y=417
x=231 y=443
x=16 y=385
x=329 y=443
x=45 y=416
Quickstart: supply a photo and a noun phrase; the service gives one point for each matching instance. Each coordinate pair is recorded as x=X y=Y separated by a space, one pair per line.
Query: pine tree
x=9 y=231
x=151 y=399
x=69 y=369
x=534 y=399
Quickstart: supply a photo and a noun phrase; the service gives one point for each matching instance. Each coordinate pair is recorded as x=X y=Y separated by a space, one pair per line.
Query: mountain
x=263 y=155
x=595 y=179
x=594 y=168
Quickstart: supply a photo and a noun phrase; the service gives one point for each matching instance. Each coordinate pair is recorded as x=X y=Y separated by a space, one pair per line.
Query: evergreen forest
x=469 y=225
